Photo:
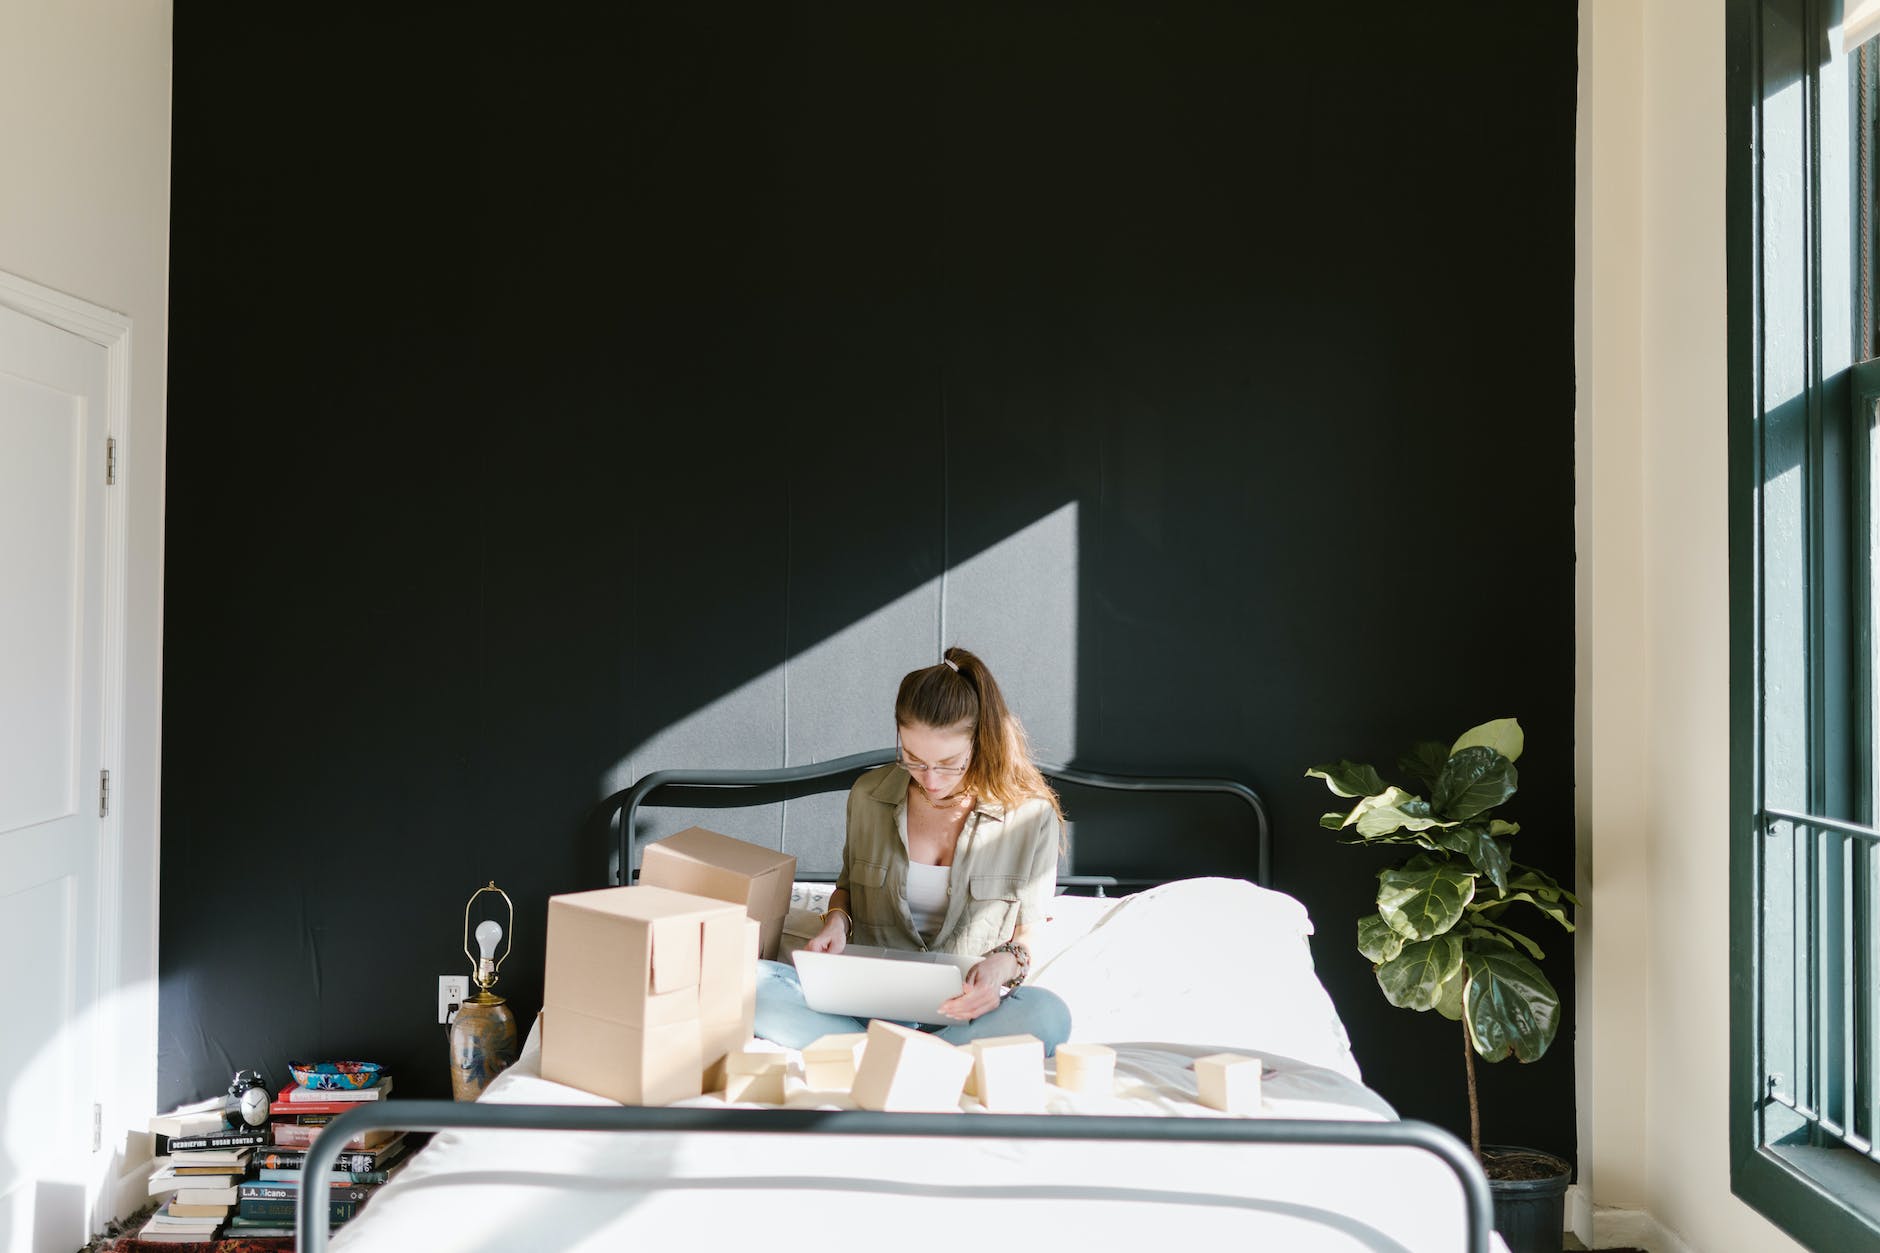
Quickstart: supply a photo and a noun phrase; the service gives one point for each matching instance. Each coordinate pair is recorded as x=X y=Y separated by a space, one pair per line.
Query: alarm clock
x=248 y=1100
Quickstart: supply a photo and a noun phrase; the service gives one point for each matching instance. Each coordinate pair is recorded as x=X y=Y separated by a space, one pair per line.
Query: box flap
x=675 y=957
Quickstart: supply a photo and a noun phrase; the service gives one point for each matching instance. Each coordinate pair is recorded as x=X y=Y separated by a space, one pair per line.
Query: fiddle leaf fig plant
x=1442 y=937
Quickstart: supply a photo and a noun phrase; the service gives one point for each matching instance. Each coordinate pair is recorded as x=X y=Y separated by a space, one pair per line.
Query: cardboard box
x=1229 y=1082
x=910 y=1071
x=756 y=1074
x=1086 y=1067
x=830 y=1063
x=1008 y=1073
x=728 y=1016
x=653 y=1066
x=628 y=970
x=706 y=863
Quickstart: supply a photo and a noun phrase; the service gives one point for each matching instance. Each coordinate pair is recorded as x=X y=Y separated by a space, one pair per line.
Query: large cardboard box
x=706 y=863
x=631 y=973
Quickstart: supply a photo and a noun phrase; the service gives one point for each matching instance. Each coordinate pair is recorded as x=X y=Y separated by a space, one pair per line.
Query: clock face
x=255 y=1106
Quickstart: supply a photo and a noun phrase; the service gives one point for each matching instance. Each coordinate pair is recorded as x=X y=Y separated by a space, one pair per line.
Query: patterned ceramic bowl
x=328 y=1076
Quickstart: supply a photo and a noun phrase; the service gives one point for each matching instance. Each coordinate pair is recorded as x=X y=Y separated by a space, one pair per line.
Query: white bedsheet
x=490 y=1191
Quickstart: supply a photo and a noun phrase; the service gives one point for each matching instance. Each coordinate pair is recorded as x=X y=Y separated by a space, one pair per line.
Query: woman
x=951 y=849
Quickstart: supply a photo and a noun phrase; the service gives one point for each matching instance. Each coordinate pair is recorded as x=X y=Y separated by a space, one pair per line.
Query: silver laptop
x=891 y=984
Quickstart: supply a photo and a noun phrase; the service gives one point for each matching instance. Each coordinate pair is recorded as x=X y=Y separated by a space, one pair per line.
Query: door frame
x=124 y=1021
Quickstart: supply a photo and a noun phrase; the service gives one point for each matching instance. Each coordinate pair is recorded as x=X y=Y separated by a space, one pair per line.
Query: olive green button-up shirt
x=1004 y=870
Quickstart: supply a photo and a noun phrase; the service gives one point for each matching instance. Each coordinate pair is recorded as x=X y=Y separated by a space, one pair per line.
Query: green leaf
x=1376 y=940
x=1449 y=996
x=1415 y=977
x=1553 y=909
x=1541 y=884
x=1510 y=1006
x=1504 y=934
x=1392 y=811
x=1488 y=855
x=1503 y=735
x=1348 y=778
x=1424 y=761
x=1424 y=897
x=1497 y=827
x=1473 y=781
x=1333 y=821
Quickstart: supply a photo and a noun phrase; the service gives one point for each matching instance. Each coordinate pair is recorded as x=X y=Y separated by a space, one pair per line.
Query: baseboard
x=1631 y=1228
x=1580 y=1214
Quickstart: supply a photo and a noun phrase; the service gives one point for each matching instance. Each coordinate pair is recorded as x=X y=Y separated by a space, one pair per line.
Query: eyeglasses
x=915 y=767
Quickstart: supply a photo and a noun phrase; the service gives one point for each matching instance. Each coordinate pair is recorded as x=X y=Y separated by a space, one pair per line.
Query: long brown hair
x=946 y=696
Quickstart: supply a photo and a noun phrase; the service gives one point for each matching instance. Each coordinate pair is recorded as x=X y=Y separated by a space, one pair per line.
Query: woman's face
x=924 y=747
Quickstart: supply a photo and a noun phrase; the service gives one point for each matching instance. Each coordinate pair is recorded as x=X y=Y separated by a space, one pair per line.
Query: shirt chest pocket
x=994 y=906
x=868 y=896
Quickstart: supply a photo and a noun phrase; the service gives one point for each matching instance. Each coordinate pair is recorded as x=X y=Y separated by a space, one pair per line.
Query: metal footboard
x=311 y=1216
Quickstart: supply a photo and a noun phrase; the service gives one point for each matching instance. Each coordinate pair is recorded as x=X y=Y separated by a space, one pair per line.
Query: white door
x=52 y=561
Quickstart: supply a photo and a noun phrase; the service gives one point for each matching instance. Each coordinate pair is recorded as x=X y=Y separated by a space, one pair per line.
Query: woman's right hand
x=833 y=938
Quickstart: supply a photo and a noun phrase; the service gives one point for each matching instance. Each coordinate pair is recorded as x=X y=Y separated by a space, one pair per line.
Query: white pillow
x=1218 y=962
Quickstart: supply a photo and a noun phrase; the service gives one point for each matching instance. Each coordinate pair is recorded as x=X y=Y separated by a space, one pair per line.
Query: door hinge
x=97 y=1127
x=104 y=793
x=110 y=462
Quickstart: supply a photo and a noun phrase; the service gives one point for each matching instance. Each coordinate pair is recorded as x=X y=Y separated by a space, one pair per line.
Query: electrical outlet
x=452 y=991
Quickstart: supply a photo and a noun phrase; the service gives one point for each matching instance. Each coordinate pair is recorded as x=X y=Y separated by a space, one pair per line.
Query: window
x=1804 y=407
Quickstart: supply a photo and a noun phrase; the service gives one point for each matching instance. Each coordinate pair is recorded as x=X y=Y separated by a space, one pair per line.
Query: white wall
x=85 y=209
x=1654 y=683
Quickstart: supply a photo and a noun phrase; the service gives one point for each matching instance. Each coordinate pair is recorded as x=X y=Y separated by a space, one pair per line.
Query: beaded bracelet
x=1021 y=954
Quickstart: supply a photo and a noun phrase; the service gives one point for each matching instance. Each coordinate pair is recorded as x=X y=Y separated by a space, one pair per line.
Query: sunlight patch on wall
x=1014 y=603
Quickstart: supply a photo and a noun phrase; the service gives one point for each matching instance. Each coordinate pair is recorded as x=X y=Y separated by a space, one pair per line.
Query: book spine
x=338 y=1211
x=295 y=1158
x=269 y=1175
x=219 y=1140
x=288 y=1191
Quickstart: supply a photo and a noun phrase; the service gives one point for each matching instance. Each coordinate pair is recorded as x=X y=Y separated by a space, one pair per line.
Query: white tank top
x=927 y=897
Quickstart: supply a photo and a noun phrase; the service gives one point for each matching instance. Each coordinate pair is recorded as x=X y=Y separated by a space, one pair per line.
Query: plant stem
x=1475 y=1111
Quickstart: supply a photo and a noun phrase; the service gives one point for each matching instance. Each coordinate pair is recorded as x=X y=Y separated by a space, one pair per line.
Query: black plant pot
x=1530 y=1214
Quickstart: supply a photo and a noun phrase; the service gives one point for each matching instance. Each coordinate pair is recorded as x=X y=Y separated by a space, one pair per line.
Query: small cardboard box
x=1229 y=1082
x=1008 y=1073
x=907 y=1070
x=706 y=863
x=756 y=1074
x=628 y=970
x=1086 y=1067
x=830 y=1063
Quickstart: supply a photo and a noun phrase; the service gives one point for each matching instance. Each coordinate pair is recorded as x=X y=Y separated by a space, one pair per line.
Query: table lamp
x=483 y=1034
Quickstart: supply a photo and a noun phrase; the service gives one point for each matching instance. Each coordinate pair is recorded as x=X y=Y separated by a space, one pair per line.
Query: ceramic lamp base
x=482 y=1046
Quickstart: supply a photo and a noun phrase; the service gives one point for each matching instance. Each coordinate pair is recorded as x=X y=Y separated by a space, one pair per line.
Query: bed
x=1165 y=974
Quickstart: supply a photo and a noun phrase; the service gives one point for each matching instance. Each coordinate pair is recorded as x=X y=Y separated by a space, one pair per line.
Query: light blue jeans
x=784 y=1018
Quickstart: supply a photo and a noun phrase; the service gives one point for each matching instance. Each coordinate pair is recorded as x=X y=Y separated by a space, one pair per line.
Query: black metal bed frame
x=311 y=1219
x=618 y=811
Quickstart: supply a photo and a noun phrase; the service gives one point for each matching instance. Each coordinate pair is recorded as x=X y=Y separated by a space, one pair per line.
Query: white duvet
x=543 y=1190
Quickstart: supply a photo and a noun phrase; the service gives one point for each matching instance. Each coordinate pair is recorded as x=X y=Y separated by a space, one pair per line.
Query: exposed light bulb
x=489 y=933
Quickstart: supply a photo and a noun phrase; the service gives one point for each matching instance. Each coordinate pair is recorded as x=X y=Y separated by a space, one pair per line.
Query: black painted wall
x=537 y=382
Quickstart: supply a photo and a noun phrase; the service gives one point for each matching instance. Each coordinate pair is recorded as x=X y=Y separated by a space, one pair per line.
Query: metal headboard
x=618 y=811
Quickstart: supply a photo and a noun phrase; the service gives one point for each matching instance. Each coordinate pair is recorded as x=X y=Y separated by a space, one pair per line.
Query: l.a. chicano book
x=281 y=1191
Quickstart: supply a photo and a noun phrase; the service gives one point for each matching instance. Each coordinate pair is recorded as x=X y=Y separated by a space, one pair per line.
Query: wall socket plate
x=452 y=990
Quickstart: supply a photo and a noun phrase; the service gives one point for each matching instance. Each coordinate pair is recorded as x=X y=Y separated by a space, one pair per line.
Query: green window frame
x=1804 y=397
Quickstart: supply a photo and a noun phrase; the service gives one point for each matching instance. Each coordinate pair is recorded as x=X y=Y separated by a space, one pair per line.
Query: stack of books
x=199 y=1164
x=265 y=1200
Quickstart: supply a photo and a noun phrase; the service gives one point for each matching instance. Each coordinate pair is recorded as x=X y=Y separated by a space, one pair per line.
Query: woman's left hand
x=981 y=993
